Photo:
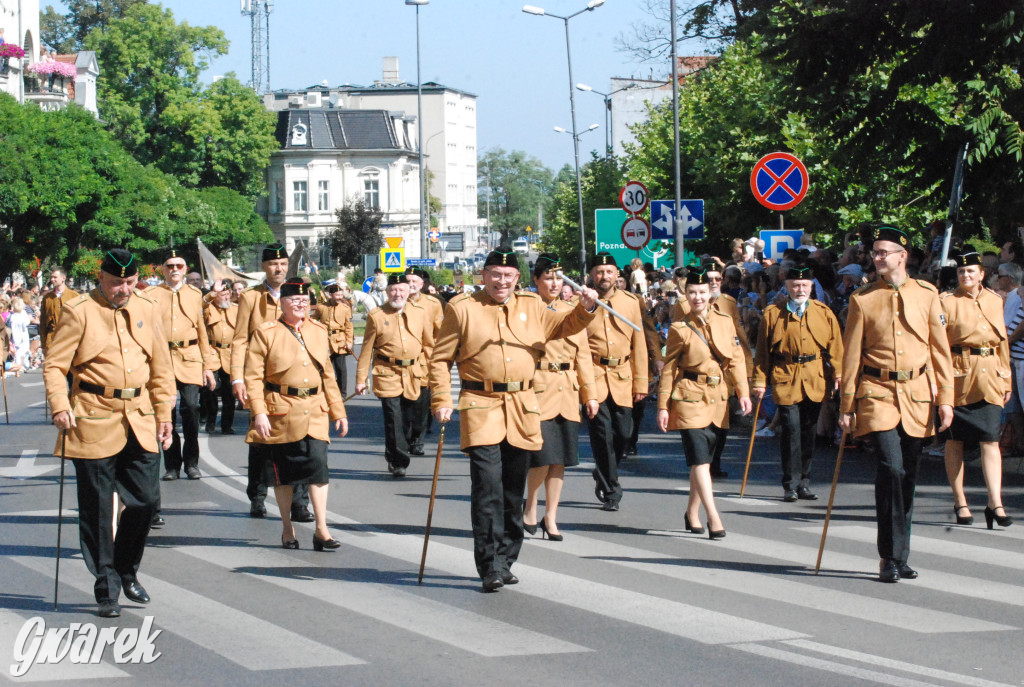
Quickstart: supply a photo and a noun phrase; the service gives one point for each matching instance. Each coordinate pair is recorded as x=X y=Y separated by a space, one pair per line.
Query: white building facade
x=19 y=20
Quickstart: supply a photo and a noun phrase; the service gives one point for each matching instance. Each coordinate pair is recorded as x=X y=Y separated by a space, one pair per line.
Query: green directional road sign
x=609 y=238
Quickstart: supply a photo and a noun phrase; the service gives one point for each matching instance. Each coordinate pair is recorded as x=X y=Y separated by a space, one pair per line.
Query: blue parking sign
x=778 y=241
x=663 y=214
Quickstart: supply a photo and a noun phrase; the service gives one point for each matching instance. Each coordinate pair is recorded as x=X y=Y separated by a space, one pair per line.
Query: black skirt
x=975 y=422
x=297 y=462
x=699 y=444
x=561 y=444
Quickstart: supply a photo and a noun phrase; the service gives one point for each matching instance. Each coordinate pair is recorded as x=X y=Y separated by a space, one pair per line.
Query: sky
x=515 y=63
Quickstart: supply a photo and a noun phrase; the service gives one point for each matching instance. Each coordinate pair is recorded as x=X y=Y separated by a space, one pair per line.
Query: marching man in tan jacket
x=118 y=409
x=52 y=305
x=220 y=316
x=336 y=314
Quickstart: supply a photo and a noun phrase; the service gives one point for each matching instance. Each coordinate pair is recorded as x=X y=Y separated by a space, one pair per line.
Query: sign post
x=779 y=182
x=392 y=258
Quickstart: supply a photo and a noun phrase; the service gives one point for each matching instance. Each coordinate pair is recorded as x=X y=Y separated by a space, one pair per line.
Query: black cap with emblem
x=545 y=262
x=274 y=251
x=968 y=259
x=502 y=256
x=697 y=275
x=173 y=254
x=119 y=263
x=295 y=286
x=886 y=232
x=397 y=278
x=799 y=272
x=603 y=258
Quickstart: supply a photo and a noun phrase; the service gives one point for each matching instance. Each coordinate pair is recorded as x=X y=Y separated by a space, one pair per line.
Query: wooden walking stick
x=831 y=499
x=433 y=495
x=750 y=448
x=60 y=515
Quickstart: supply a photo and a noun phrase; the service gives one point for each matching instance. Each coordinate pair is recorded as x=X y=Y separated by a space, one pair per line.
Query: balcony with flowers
x=50 y=83
x=10 y=57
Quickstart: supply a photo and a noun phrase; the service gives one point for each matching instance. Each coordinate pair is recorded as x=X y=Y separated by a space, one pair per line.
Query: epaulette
x=992 y=292
x=415 y=305
x=725 y=296
x=461 y=297
x=816 y=303
x=946 y=294
x=143 y=296
x=315 y=323
x=197 y=290
x=252 y=288
x=528 y=294
x=630 y=294
x=866 y=287
x=269 y=324
x=82 y=298
x=719 y=313
x=927 y=285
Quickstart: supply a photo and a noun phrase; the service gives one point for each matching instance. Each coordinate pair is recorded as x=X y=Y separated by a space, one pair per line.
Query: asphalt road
x=628 y=598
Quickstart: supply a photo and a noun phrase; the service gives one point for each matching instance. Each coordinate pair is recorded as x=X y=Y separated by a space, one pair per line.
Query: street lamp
x=419 y=131
x=607 y=111
x=591 y=6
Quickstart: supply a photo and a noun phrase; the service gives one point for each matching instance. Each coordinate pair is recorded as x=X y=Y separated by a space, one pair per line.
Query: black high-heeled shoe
x=544 y=529
x=962 y=519
x=990 y=515
x=530 y=529
x=321 y=544
x=715 y=534
x=290 y=544
x=690 y=528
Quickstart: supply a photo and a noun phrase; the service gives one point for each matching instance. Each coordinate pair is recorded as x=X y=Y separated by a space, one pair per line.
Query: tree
x=357 y=234
x=66 y=33
x=516 y=185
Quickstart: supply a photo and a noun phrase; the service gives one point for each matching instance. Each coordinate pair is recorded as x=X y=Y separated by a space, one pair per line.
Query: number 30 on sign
x=634 y=198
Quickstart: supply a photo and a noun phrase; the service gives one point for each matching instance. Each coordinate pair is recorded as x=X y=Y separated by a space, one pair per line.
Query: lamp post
x=607 y=111
x=591 y=6
x=419 y=131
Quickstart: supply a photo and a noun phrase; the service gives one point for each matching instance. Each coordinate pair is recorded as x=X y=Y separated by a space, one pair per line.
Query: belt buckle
x=984 y=352
x=127 y=394
x=614 y=362
x=903 y=375
x=554 y=367
x=303 y=393
x=514 y=386
x=175 y=344
x=712 y=381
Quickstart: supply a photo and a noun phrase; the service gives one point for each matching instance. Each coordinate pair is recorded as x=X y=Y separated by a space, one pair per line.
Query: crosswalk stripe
x=883 y=611
x=930 y=545
x=244 y=639
x=11 y=624
x=389 y=604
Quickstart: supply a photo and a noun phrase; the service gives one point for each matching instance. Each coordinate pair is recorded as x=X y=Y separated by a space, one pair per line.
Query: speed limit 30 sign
x=633 y=197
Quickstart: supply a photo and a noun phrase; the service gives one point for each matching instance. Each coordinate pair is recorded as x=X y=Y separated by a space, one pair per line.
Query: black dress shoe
x=492 y=582
x=631 y=451
x=398 y=473
x=805 y=494
x=888 y=571
x=416 y=450
x=109 y=609
x=610 y=505
x=257 y=509
x=170 y=476
x=157 y=521
x=508 y=578
x=906 y=572
x=227 y=430
x=193 y=473
x=302 y=515
x=289 y=543
x=321 y=544
x=720 y=474
x=134 y=591
x=790 y=496
x=210 y=429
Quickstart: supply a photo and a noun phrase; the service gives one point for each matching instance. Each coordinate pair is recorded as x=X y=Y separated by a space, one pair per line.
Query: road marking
x=389 y=604
x=11 y=624
x=243 y=639
x=26 y=467
x=33 y=383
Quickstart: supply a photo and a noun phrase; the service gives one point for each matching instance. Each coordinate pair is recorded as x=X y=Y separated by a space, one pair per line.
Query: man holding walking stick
x=896 y=368
x=496 y=337
x=118 y=408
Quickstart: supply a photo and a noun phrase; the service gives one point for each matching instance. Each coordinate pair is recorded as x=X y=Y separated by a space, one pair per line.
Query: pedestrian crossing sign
x=392 y=260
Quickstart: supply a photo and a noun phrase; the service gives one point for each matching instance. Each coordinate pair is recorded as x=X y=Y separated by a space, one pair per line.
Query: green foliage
x=518 y=184
x=66 y=33
x=357 y=234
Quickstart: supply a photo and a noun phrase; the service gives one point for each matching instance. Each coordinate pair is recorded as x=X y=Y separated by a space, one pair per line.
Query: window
x=371 y=192
x=299 y=196
x=278 y=198
x=323 y=202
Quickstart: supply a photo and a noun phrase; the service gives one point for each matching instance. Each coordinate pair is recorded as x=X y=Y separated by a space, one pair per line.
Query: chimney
x=390 y=70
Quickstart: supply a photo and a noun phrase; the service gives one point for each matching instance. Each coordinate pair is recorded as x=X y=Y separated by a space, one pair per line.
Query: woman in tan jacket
x=693 y=396
x=981 y=385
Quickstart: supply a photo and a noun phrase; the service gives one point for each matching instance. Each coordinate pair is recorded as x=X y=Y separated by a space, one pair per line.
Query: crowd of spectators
x=19 y=308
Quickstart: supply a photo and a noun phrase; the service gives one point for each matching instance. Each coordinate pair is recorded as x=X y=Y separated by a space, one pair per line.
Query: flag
x=214 y=269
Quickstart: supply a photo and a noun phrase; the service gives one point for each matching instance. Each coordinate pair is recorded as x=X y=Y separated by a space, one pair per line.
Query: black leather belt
x=801 y=359
x=502 y=387
x=396 y=361
x=611 y=362
x=983 y=352
x=334 y=331
x=292 y=391
x=182 y=344
x=710 y=380
x=108 y=392
x=893 y=375
x=553 y=367
x=220 y=345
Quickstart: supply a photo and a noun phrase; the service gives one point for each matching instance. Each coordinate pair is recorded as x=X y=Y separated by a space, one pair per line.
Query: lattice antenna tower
x=258 y=12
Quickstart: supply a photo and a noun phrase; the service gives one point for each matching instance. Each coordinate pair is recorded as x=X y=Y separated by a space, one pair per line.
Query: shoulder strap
x=714 y=354
x=316 y=364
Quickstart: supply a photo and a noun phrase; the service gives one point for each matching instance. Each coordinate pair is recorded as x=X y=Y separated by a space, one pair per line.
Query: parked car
x=521 y=246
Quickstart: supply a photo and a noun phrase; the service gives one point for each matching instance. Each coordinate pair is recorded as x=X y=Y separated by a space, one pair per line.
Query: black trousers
x=498 y=476
x=898 y=456
x=396 y=442
x=341 y=371
x=186 y=453
x=798 y=423
x=259 y=461
x=415 y=421
x=135 y=474
x=208 y=403
x=638 y=418
x=610 y=430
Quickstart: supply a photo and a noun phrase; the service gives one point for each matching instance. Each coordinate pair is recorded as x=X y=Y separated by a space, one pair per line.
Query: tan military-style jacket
x=497 y=343
x=698 y=403
x=337 y=317
x=725 y=304
x=255 y=307
x=406 y=338
x=782 y=338
x=276 y=355
x=434 y=307
x=49 y=314
x=560 y=391
x=181 y=312
x=977 y=323
x=121 y=348
x=612 y=339
x=899 y=330
x=220 y=330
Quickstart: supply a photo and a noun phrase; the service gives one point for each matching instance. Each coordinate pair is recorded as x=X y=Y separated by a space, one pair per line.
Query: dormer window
x=299 y=134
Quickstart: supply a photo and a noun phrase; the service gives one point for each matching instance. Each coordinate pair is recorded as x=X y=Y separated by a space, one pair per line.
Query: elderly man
x=799 y=346
x=396 y=344
x=52 y=304
x=416 y=421
x=896 y=368
x=117 y=411
x=335 y=313
x=181 y=307
x=496 y=337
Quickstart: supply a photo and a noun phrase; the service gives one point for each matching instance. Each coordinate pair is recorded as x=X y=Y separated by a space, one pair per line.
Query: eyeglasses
x=883 y=254
x=176 y=266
